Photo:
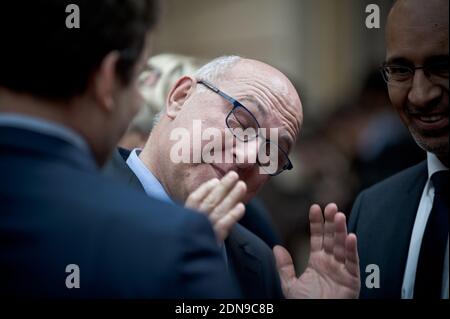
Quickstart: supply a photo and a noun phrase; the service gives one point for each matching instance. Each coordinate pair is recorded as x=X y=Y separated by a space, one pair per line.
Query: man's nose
x=423 y=90
x=245 y=153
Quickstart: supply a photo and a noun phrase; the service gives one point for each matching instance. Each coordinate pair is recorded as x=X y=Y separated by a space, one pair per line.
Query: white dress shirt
x=425 y=205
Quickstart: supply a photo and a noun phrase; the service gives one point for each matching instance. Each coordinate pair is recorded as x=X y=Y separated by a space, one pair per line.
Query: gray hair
x=213 y=71
x=217 y=69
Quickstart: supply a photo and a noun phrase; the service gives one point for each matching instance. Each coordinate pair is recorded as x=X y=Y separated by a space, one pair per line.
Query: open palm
x=333 y=266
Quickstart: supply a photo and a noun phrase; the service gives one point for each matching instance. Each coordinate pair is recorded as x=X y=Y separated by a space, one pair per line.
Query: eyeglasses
x=244 y=126
x=402 y=75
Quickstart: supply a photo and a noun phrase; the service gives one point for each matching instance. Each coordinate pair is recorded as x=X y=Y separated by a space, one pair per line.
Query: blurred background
x=351 y=136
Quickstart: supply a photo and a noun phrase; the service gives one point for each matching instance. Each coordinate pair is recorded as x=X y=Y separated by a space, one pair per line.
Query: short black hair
x=39 y=55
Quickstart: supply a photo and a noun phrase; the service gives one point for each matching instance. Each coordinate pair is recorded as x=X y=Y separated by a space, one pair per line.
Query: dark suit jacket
x=249 y=258
x=383 y=218
x=57 y=209
x=258 y=221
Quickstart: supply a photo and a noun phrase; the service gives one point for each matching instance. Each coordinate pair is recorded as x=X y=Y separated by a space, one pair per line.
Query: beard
x=433 y=142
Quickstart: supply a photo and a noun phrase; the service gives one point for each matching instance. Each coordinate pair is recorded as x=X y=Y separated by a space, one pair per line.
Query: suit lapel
x=391 y=245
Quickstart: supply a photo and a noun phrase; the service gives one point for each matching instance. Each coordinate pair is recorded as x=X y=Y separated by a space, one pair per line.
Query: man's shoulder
x=400 y=181
x=175 y=244
x=378 y=204
x=96 y=202
x=117 y=200
x=139 y=243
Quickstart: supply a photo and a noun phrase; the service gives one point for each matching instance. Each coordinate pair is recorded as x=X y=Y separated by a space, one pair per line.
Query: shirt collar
x=434 y=164
x=149 y=182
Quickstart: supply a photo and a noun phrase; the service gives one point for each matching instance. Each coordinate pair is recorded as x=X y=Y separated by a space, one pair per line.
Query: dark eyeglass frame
x=236 y=104
x=412 y=70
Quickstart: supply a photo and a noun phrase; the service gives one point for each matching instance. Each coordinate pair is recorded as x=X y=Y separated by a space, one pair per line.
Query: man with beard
x=402 y=222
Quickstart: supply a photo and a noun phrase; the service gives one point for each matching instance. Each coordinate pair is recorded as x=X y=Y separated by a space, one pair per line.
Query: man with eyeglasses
x=241 y=96
x=402 y=222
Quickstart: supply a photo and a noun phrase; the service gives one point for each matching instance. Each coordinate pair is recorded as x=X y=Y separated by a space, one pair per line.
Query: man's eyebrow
x=404 y=61
x=398 y=60
x=437 y=58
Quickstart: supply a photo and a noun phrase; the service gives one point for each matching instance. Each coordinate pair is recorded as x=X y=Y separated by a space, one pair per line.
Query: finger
x=285 y=267
x=219 y=192
x=351 y=255
x=328 y=236
x=223 y=227
x=235 y=196
x=316 y=227
x=196 y=197
x=340 y=235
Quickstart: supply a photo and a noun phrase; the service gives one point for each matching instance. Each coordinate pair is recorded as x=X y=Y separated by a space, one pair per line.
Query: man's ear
x=106 y=80
x=179 y=93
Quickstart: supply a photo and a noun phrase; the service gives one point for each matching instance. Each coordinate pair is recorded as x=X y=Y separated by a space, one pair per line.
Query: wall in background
x=322 y=45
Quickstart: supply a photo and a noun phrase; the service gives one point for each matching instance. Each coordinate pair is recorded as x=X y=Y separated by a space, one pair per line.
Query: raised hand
x=333 y=266
x=221 y=201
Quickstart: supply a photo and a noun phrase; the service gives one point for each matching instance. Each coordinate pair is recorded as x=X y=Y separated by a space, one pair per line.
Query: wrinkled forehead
x=273 y=101
x=255 y=80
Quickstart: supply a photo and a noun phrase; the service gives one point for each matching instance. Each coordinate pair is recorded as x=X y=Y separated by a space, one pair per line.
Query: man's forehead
x=258 y=96
x=415 y=32
x=249 y=74
x=265 y=104
x=418 y=15
x=268 y=93
x=270 y=119
x=419 y=7
x=416 y=45
x=252 y=103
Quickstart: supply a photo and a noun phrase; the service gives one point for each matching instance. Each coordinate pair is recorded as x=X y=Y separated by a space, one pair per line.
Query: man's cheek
x=130 y=103
x=137 y=101
x=398 y=99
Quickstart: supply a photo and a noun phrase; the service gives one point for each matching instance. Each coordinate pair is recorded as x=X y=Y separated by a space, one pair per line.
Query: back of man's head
x=42 y=56
x=75 y=63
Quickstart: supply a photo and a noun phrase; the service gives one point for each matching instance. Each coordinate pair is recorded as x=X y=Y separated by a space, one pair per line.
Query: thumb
x=285 y=265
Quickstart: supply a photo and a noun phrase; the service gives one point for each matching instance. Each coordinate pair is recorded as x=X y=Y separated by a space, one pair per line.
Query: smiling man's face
x=272 y=99
x=417 y=35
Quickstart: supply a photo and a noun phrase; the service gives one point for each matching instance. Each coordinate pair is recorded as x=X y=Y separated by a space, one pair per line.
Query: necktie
x=428 y=282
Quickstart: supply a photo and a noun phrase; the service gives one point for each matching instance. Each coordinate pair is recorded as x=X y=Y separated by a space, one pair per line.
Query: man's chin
x=438 y=145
